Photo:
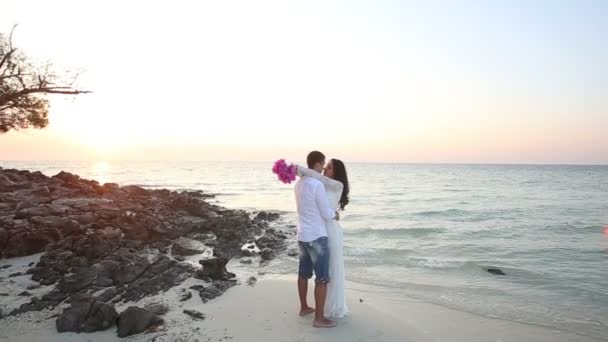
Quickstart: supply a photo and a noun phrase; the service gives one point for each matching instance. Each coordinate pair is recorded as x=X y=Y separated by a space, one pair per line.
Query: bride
x=336 y=184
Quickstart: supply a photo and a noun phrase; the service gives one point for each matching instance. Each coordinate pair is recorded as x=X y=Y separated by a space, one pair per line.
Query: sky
x=381 y=81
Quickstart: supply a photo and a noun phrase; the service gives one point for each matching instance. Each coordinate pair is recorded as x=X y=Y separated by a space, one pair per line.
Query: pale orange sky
x=378 y=81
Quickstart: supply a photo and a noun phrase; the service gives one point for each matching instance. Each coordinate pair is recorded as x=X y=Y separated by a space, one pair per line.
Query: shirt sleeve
x=327 y=212
x=330 y=184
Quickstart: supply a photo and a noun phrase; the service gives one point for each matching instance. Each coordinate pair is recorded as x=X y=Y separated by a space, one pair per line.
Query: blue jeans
x=314 y=255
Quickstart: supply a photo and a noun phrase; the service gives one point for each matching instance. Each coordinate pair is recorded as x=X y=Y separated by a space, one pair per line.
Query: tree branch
x=6 y=57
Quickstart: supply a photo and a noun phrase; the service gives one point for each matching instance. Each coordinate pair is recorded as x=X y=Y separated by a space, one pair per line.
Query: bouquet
x=285 y=173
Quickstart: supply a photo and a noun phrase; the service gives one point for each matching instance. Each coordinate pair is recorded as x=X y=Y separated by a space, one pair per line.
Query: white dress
x=335 y=303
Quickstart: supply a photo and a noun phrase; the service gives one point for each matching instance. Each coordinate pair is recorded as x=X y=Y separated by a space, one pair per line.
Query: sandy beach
x=267 y=311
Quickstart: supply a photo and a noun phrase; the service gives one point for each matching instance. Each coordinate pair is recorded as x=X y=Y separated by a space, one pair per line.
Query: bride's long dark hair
x=341 y=176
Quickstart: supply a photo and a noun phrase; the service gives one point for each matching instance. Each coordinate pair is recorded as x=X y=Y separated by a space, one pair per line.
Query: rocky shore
x=108 y=244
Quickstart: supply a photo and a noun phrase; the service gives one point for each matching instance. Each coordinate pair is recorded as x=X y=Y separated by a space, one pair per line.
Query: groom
x=313 y=211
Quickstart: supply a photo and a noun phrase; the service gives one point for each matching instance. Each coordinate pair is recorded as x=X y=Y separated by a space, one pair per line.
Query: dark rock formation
x=112 y=242
x=135 y=320
x=86 y=315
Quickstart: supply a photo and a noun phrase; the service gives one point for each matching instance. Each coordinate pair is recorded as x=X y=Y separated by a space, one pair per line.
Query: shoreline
x=266 y=310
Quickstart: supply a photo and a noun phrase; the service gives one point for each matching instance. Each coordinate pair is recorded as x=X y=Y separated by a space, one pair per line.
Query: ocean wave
x=394 y=232
x=158 y=186
x=446 y=213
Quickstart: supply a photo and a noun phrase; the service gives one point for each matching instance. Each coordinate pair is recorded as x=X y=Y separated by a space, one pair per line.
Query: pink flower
x=285 y=173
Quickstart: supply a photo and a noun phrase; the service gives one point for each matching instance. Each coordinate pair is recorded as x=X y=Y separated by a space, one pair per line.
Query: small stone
x=267 y=254
x=157 y=308
x=180 y=258
x=24 y=294
x=246 y=261
x=186 y=296
x=360 y=300
x=15 y=275
x=197 y=287
x=251 y=281
x=34 y=287
x=195 y=314
x=5 y=267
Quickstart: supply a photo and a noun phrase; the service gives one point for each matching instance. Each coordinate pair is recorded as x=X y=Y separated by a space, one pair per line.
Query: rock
x=186 y=296
x=293 y=252
x=41 y=210
x=195 y=314
x=267 y=254
x=26 y=243
x=179 y=258
x=252 y=281
x=214 y=269
x=215 y=290
x=162 y=275
x=107 y=295
x=246 y=261
x=25 y=294
x=495 y=271
x=110 y=233
x=33 y=287
x=5 y=267
x=3 y=239
x=135 y=320
x=13 y=275
x=135 y=190
x=85 y=218
x=186 y=247
x=266 y=216
x=86 y=315
x=157 y=308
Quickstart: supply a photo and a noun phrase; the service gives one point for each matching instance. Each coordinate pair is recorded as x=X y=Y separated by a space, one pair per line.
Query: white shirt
x=313 y=209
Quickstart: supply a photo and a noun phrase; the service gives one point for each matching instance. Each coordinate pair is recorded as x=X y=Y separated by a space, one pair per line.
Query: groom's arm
x=328 y=182
x=327 y=212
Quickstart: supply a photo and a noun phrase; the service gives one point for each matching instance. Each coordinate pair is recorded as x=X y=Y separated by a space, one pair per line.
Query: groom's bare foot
x=324 y=323
x=306 y=311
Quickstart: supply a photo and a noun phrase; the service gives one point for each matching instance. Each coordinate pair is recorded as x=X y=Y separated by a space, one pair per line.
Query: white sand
x=268 y=312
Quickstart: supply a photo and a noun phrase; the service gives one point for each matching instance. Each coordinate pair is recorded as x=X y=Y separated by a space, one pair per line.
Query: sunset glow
x=377 y=81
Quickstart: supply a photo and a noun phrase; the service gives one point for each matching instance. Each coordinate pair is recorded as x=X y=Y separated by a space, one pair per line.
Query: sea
x=431 y=231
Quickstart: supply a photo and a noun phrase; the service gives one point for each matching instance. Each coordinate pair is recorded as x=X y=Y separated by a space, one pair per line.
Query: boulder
x=214 y=269
x=135 y=320
x=86 y=315
x=186 y=247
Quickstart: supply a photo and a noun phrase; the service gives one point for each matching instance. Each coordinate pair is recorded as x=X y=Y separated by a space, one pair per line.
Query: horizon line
x=271 y=161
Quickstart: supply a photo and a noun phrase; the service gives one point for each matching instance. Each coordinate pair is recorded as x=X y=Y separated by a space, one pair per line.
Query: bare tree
x=24 y=88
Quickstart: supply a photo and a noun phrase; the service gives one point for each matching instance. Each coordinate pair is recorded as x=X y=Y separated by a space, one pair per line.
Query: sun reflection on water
x=101 y=171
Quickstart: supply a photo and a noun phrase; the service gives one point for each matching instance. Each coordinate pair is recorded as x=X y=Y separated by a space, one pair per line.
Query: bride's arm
x=328 y=182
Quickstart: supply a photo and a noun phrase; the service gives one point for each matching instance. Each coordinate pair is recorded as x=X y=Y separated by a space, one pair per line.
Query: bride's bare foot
x=324 y=323
x=306 y=311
